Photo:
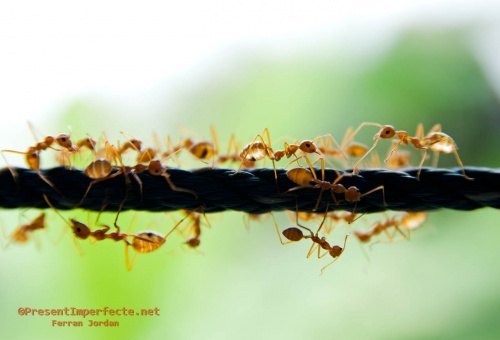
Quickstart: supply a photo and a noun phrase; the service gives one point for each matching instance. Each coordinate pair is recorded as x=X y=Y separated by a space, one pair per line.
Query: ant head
x=352 y=194
x=48 y=141
x=386 y=132
x=88 y=142
x=188 y=143
x=308 y=146
x=155 y=168
x=136 y=144
x=79 y=229
x=336 y=251
x=64 y=140
x=193 y=242
x=293 y=234
x=39 y=221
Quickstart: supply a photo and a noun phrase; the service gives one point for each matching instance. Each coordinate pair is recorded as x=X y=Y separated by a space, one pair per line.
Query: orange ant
x=333 y=217
x=434 y=140
x=413 y=220
x=88 y=143
x=195 y=228
x=307 y=179
x=21 y=234
x=306 y=147
x=398 y=160
x=202 y=150
x=146 y=242
x=32 y=160
x=257 y=150
x=142 y=242
x=379 y=227
x=155 y=168
x=409 y=221
x=234 y=156
x=132 y=143
x=146 y=156
x=32 y=155
x=295 y=234
x=253 y=217
x=101 y=169
x=440 y=142
x=346 y=148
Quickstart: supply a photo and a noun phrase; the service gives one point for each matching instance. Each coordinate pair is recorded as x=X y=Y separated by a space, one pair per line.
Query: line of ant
x=111 y=166
x=108 y=162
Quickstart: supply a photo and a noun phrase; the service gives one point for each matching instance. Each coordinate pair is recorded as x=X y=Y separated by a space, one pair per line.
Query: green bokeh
x=243 y=283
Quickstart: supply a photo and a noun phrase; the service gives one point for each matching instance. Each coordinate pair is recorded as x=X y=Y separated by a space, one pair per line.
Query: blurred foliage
x=246 y=285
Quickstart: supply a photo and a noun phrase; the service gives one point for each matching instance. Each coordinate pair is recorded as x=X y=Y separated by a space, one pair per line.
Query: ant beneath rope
x=23 y=232
x=142 y=242
x=408 y=221
x=295 y=234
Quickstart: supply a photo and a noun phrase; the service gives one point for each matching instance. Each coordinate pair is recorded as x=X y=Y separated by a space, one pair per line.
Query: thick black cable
x=253 y=190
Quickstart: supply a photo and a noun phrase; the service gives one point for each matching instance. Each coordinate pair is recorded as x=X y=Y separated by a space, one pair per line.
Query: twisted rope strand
x=253 y=191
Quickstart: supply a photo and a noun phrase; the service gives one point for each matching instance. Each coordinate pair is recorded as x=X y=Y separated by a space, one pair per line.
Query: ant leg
x=278 y=232
x=422 y=163
x=174 y=188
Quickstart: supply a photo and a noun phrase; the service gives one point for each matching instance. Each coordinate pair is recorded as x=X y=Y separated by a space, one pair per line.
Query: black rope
x=253 y=191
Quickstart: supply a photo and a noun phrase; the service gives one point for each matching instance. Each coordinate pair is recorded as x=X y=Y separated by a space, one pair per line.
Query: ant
x=146 y=242
x=142 y=242
x=21 y=234
x=306 y=147
x=295 y=234
x=352 y=149
x=253 y=217
x=413 y=220
x=408 y=221
x=202 y=150
x=101 y=169
x=88 y=143
x=155 y=168
x=32 y=155
x=307 y=179
x=435 y=140
x=132 y=143
x=379 y=227
x=234 y=156
x=195 y=228
x=257 y=150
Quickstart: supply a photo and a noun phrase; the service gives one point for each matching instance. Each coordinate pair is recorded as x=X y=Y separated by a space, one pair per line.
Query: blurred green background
x=442 y=284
